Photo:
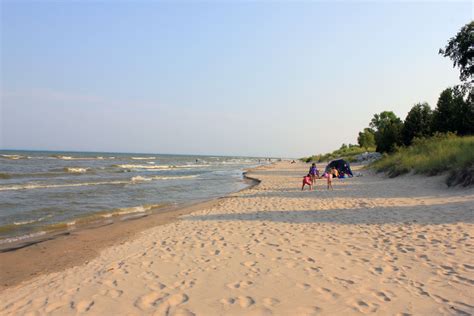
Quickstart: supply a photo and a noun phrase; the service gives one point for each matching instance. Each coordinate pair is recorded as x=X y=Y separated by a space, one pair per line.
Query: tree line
x=454 y=111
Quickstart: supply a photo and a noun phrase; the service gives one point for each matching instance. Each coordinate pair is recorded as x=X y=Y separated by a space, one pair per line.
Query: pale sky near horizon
x=282 y=79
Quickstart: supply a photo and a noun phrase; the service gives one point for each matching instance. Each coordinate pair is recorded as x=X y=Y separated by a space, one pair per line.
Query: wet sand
x=62 y=250
x=372 y=246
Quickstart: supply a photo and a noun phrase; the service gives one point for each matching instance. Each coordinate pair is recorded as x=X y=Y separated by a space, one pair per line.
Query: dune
x=374 y=245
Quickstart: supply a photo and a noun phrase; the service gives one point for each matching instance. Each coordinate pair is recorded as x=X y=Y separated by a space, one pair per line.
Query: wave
x=126 y=166
x=143 y=179
x=143 y=158
x=30 y=186
x=53 y=173
x=129 y=210
x=18 y=238
x=80 y=158
x=133 y=180
x=76 y=170
x=12 y=157
x=158 y=167
x=26 y=222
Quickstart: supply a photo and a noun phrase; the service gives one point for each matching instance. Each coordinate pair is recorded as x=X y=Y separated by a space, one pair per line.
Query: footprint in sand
x=112 y=293
x=304 y=286
x=184 y=284
x=328 y=293
x=227 y=301
x=54 y=306
x=468 y=267
x=150 y=300
x=270 y=301
x=156 y=286
x=344 y=282
x=249 y=264
x=240 y=284
x=308 y=311
x=243 y=301
x=149 y=275
x=147 y=264
x=363 y=306
x=177 y=299
x=84 y=306
x=381 y=296
x=170 y=305
x=377 y=270
x=110 y=283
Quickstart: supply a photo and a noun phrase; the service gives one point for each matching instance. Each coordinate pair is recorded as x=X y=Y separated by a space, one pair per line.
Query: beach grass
x=432 y=156
x=345 y=152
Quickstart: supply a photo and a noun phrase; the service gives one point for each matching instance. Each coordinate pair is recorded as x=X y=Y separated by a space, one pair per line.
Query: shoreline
x=63 y=249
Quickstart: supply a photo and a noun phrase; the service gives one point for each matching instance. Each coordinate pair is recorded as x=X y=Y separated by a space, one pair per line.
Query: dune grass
x=348 y=153
x=432 y=156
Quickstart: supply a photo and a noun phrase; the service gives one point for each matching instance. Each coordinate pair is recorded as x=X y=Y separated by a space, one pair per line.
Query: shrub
x=432 y=156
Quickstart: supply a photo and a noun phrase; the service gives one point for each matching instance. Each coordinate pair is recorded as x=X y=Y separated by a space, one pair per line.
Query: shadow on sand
x=448 y=213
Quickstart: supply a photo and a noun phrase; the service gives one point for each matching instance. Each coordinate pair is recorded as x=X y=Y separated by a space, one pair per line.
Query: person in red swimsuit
x=307 y=181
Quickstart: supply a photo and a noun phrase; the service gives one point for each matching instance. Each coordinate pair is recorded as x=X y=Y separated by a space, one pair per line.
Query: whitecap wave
x=26 y=222
x=158 y=167
x=12 y=157
x=140 y=178
x=18 y=238
x=76 y=170
x=79 y=158
x=30 y=186
x=133 y=180
x=20 y=223
x=129 y=210
x=143 y=158
x=127 y=166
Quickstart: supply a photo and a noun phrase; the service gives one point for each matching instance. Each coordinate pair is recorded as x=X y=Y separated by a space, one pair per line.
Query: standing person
x=307 y=181
x=313 y=172
x=330 y=175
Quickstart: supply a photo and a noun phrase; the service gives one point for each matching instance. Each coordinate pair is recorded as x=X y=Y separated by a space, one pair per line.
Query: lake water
x=42 y=191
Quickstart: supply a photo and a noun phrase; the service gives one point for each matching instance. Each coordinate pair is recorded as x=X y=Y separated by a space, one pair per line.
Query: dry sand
x=373 y=245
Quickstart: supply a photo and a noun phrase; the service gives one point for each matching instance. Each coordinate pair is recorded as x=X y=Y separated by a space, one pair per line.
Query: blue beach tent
x=341 y=165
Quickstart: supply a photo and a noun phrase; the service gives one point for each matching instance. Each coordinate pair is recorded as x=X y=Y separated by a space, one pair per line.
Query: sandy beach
x=402 y=246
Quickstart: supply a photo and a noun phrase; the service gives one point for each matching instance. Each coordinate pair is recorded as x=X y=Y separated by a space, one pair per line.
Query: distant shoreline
x=137 y=153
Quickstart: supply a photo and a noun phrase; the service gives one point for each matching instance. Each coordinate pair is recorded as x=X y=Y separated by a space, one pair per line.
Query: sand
x=60 y=250
x=373 y=245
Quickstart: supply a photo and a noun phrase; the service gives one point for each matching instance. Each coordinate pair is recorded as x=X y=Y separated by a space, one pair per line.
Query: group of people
x=313 y=174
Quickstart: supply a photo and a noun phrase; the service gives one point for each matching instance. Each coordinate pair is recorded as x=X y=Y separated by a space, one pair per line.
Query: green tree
x=464 y=111
x=460 y=49
x=387 y=128
x=366 y=138
x=454 y=112
x=417 y=123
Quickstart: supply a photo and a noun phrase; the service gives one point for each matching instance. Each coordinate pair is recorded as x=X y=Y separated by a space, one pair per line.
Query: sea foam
x=143 y=158
x=12 y=157
x=76 y=170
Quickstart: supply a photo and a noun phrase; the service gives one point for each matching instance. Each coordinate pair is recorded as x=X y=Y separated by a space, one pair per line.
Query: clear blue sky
x=235 y=78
